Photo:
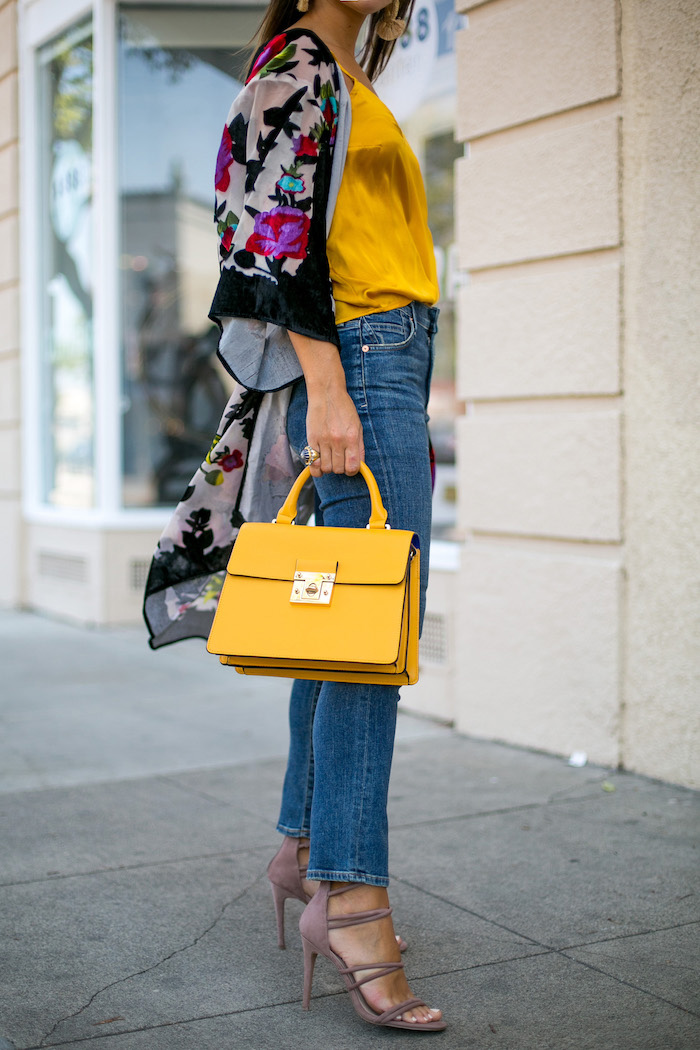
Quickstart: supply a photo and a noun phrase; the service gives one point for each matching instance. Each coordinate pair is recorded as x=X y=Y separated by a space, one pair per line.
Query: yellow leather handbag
x=328 y=604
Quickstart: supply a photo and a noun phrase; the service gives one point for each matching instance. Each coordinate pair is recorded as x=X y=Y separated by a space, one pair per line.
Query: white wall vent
x=63 y=566
x=433 y=640
x=138 y=573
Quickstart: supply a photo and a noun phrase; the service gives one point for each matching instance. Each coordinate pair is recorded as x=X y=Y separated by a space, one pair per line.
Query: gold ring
x=309 y=455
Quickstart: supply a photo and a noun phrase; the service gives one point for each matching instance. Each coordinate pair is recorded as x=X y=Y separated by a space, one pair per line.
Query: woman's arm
x=333 y=426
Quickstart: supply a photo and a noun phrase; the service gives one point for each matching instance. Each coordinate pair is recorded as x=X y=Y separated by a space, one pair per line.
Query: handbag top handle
x=377 y=519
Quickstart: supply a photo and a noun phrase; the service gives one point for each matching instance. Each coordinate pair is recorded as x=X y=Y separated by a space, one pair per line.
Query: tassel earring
x=389 y=27
x=302 y=5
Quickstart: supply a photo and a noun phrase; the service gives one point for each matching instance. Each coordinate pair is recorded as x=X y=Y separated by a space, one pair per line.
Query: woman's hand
x=333 y=426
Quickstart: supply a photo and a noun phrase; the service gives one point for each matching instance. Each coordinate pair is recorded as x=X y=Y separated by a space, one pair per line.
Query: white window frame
x=39 y=21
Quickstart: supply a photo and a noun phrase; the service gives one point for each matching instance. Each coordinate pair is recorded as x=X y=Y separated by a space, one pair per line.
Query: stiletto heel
x=279 y=896
x=314 y=926
x=310 y=957
x=285 y=877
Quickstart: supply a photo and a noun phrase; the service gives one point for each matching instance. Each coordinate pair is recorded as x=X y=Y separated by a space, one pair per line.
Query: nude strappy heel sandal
x=314 y=926
x=286 y=875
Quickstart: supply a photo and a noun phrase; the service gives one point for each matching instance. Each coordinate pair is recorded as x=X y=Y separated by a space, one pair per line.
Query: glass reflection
x=65 y=95
x=419 y=86
x=179 y=70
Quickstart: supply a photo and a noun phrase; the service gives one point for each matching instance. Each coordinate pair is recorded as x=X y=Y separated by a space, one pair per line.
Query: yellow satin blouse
x=380 y=249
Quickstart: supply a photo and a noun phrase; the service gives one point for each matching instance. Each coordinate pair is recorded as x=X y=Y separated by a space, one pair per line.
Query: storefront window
x=179 y=70
x=65 y=252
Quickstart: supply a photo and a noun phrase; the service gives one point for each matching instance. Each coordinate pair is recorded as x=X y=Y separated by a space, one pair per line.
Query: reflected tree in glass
x=66 y=74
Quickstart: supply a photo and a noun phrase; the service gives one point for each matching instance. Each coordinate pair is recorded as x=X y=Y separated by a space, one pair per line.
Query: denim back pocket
x=390 y=330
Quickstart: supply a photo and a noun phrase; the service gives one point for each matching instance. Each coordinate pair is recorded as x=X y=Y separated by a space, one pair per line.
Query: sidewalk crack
x=628 y=984
x=523 y=807
x=476 y=914
x=627 y=936
x=148 y=969
x=568 y=794
x=136 y=866
x=172 y=780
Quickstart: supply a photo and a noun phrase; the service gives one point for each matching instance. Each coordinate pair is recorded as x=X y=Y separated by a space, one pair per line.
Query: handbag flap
x=356 y=556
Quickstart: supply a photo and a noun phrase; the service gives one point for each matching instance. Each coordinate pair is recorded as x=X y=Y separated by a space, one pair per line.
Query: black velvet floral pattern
x=272 y=177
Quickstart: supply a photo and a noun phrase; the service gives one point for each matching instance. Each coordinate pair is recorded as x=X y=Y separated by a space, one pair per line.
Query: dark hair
x=281 y=14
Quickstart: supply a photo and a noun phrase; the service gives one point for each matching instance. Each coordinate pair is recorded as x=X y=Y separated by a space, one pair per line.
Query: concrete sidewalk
x=545 y=906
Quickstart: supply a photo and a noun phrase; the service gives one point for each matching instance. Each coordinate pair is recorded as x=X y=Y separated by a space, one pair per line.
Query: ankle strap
x=357 y=918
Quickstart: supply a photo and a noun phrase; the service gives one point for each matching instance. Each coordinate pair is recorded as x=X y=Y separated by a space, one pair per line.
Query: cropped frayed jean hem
x=347 y=876
x=294 y=833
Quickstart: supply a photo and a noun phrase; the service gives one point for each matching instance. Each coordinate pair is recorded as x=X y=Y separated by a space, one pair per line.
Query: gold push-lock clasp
x=312 y=587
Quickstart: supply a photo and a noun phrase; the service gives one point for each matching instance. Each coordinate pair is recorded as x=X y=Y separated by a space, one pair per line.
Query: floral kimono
x=278 y=172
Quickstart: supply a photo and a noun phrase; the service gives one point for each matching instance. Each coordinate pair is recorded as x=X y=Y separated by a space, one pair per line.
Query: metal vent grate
x=433 y=640
x=138 y=573
x=63 y=566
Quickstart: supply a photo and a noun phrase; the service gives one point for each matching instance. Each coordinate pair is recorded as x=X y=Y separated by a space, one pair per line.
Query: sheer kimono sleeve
x=272 y=186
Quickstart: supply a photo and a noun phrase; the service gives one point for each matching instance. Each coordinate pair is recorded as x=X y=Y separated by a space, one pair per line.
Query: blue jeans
x=342 y=734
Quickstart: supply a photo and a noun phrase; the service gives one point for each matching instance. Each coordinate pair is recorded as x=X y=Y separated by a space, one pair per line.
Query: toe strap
x=395 y=1011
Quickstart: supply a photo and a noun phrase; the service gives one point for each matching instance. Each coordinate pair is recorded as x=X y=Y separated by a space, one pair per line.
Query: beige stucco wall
x=10 y=412
x=661 y=219
x=540 y=445
x=579 y=610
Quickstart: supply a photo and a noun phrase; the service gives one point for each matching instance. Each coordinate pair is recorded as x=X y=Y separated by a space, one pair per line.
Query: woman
x=327 y=323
